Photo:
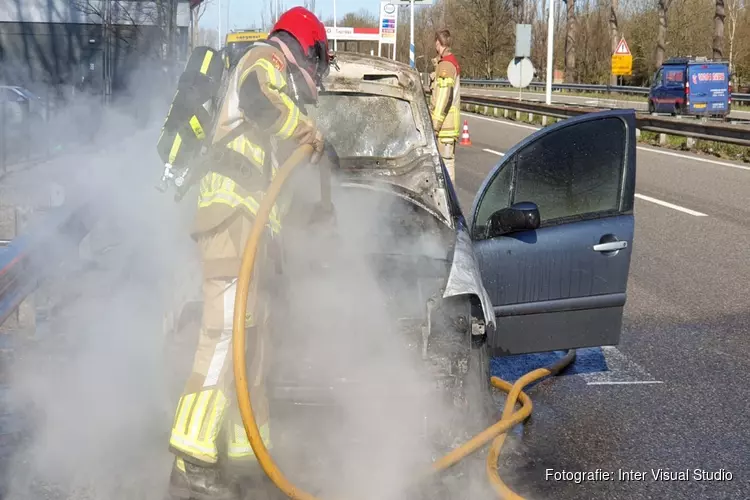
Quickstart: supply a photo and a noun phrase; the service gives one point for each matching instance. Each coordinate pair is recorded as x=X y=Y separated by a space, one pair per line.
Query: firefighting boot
x=189 y=481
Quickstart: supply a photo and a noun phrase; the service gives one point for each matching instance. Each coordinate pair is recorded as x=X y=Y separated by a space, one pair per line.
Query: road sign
x=520 y=72
x=523 y=40
x=622 y=59
x=388 y=21
x=622 y=48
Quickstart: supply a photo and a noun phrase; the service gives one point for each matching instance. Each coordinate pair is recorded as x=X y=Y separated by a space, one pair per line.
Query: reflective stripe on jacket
x=445 y=101
x=256 y=94
x=219 y=190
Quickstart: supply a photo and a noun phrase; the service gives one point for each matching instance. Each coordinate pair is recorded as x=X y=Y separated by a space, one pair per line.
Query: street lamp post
x=411 y=36
x=550 y=54
x=335 y=37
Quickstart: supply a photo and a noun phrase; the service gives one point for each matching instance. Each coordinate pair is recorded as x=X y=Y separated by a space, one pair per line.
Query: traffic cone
x=465 y=139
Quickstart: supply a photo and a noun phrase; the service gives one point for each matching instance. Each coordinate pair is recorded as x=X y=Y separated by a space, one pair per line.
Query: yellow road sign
x=622 y=64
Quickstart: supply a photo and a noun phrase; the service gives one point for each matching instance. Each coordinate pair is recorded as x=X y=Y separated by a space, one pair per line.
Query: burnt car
x=539 y=262
x=406 y=286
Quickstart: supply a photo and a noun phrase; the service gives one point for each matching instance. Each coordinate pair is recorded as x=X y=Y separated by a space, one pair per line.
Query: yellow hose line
x=515 y=392
x=238 y=328
x=497 y=431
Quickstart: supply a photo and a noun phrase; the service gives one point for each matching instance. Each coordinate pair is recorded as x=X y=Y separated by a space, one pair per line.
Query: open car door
x=552 y=229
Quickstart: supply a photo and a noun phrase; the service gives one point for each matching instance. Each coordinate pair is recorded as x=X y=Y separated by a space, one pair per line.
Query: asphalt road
x=558 y=98
x=686 y=334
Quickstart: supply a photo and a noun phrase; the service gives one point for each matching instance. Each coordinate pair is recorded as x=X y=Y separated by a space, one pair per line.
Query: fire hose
x=495 y=433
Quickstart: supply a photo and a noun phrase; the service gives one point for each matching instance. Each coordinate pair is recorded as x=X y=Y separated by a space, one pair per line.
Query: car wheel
x=651 y=107
x=484 y=411
x=470 y=389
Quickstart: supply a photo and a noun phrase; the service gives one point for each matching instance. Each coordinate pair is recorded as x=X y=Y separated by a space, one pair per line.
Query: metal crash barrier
x=27 y=259
x=581 y=87
x=719 y=132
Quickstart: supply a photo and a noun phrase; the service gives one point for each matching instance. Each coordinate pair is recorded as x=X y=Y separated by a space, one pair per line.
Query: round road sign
x=520 y=72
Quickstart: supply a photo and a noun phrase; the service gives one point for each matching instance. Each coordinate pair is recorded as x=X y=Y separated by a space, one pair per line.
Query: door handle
x=610 y=246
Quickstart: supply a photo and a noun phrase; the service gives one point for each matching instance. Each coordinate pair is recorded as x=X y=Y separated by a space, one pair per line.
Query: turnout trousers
x=207 y=421
x=447 y=150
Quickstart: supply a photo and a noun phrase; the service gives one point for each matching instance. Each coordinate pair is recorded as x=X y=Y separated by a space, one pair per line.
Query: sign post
x=410 y=3
x=622 y=60
x=388 y=26
x=523 y=52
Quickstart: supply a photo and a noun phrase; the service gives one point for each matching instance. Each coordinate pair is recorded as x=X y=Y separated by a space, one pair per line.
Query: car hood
x=416 y=177
x=417 y=173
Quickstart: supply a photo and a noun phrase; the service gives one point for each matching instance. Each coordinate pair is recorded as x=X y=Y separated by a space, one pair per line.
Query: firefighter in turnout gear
x=262 y=115
x=445 y=101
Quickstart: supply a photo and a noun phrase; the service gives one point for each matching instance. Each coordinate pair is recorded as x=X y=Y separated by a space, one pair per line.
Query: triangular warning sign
x=622 y=48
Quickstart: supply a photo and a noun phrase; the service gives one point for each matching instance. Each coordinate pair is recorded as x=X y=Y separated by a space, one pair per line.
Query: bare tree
x=614 y=32
x=734 y=10
x=197 y=14
x=570 y=42
x=492 y=20
x=275 y=8
x=718 y=44
x=661 y=34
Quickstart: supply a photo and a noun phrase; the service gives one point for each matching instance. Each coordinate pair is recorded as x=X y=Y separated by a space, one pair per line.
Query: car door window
x=497 y=195
x=572 y=173
x=657 y=79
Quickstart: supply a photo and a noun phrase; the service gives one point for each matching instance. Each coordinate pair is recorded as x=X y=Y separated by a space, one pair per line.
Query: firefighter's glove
x=318 y=144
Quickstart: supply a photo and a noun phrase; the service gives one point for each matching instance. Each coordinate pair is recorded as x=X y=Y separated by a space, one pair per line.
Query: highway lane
x=686 y=326
x=558 y=98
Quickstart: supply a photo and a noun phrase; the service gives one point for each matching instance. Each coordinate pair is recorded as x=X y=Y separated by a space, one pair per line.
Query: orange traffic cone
x=465 y=139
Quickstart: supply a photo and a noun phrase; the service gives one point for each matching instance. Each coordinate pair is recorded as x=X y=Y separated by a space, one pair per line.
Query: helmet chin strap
x=290 y=57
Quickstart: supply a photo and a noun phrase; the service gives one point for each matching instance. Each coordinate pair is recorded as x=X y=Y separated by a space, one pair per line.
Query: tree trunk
x=661 y=34
x=718 y=44
x=613 y=33
x=733 y=6
x=570 y=43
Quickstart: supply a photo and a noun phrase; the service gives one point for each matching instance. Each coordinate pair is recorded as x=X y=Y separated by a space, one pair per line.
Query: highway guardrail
x=731 y=134
x=581 y=87
x=28 y=258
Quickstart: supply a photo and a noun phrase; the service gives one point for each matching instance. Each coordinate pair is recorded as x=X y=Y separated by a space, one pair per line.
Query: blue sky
x=243 y=13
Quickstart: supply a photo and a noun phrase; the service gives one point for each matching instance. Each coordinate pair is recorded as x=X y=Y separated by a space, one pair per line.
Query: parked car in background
x=20 y=103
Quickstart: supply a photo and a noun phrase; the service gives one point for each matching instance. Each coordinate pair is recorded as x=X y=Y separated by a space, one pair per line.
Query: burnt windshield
x=366 y=125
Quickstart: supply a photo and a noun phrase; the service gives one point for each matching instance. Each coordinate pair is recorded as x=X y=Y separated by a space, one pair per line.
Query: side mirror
x=523 y=216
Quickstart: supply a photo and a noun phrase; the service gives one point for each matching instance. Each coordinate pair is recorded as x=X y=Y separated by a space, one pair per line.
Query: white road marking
x=642 y=148
x=498 y=153
x=670 y=205
x=512 y=124
x=626 y=382
x=687 y=157
x=621 y=371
